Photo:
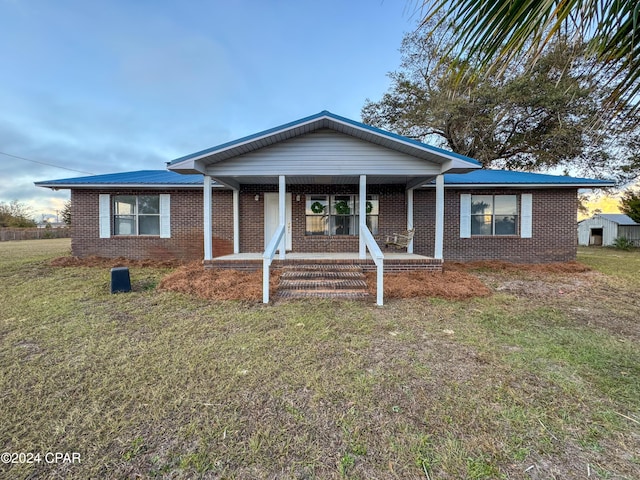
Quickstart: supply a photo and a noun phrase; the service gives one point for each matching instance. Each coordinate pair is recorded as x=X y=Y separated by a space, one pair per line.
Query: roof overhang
x=528 y=186
x=78 y=186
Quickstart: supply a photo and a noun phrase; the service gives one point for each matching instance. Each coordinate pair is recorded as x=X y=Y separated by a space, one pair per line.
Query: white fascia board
x=189 y=166
x=520 y=185
x=456 y=165
x=250 y=140
x=123 y=185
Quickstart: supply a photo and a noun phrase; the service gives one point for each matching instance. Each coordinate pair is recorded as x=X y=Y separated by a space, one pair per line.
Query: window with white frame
x=496 y=215
x=339 y=214
x=135 y=215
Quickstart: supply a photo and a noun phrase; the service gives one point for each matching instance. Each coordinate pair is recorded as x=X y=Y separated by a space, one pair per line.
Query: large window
x=339 y=214
x=494 y=214
x=136 y=215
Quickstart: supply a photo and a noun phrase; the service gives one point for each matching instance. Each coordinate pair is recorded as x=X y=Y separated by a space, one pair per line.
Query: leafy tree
x=16 y=214
x=488 y=30
x=630 y=204
x=66 y=213
x=533 y=117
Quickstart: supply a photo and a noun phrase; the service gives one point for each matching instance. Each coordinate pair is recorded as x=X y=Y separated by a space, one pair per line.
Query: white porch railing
x=378 y=258
x=267 y=258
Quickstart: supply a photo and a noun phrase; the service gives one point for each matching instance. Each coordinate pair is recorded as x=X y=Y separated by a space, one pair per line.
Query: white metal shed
x=602 y=229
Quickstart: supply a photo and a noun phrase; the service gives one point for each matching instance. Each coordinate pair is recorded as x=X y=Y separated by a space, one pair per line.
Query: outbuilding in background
x=602 y=229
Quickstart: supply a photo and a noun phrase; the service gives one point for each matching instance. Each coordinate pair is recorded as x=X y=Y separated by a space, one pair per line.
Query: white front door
x=271 y=218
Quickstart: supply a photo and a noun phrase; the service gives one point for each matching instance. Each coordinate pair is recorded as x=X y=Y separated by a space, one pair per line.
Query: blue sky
x=108 y=86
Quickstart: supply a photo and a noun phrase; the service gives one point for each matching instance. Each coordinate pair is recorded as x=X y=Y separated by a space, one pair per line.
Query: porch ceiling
x=326 y=180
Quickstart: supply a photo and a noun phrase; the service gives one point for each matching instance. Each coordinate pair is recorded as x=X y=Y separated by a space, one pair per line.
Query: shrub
x=622 y=243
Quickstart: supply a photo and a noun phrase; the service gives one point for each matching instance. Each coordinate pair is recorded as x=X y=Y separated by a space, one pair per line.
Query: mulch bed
x=456 y=282
x=448 y=285
x=500 y=266
x=95 y=261
x=217 y=284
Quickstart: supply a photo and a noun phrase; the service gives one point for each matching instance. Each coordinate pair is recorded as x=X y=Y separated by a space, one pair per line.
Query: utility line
x=44 y=163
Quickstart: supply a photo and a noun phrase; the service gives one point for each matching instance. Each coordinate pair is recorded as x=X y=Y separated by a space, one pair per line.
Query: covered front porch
x=328 y=164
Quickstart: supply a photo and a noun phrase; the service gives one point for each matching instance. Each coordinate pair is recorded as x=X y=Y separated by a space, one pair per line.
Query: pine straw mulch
x=95 y=261
x=448 y=285
x=458 y=281
x=508 y=267
x=217 y=284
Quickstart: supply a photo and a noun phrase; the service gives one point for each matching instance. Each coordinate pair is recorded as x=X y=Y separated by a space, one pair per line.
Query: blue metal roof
x=155 y=178
x=328 y=115
x=166 y=178
x=619 y=218
x=509 y=177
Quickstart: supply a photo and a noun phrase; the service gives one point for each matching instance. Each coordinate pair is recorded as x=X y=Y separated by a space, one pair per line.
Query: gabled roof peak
x=312 y=123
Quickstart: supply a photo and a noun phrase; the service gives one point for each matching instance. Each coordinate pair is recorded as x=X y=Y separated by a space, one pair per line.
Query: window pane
x=317 y=225
x=342 y=204
x=481 y=204
x=481 y=225
x=124 y=205
x=317 y=205
x=149 y=224
x=342 y=225
x=149 y=204
x=371 y=204
x=506 y=205
x=124 y=225
x=505 y=225
x=372 y=223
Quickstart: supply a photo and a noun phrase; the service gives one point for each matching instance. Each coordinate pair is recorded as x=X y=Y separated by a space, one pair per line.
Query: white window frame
x=329 y=200
x=106 y=216
x=524 y=224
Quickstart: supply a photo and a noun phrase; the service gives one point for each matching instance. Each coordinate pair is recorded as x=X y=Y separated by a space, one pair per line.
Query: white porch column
x=410 y=217
x=439 y=241
x=236 y=221
x=208 y=248
x=362 y=209
x=282 y=212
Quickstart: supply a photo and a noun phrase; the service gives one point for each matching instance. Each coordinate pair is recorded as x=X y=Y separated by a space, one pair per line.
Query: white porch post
x=208 y=248
x=362 y=208
x=439 y=217
x=236 y=221
x=282 y=212
x=410 y=217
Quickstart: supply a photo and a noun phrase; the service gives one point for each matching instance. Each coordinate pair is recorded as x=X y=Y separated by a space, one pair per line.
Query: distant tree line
x=16 y=215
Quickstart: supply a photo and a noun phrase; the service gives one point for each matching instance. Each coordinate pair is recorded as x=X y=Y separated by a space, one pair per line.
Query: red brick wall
x=554 y=225
x=554 y=237
x=186 y=242
x=392 y=216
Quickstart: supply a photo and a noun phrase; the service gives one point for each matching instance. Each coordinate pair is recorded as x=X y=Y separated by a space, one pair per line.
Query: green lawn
x=541 y=380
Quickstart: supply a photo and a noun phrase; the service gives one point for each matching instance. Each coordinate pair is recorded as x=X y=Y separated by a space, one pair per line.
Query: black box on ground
x=120 y=280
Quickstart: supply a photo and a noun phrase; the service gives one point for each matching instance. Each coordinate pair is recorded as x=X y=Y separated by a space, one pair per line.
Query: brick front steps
x=323 y=281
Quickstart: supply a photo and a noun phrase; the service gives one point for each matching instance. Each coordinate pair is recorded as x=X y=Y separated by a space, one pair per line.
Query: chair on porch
x=399 y=240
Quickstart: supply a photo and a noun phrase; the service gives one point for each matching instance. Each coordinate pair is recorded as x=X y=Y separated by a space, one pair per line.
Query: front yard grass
x=539 y=380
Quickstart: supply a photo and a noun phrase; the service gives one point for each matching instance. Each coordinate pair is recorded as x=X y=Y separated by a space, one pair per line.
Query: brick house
x=303 y=186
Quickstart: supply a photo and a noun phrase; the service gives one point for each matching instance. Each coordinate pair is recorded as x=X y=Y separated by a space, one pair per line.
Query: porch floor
x=393 y=261
x=322 y=256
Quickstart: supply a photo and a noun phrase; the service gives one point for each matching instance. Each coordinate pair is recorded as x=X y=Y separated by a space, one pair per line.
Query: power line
x=44 y=163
